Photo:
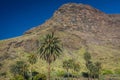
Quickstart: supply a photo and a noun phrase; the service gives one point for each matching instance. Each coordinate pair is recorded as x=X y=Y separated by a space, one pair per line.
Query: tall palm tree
x=50 y=49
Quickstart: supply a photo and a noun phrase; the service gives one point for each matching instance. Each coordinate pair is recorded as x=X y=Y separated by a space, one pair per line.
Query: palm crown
x=50 y=48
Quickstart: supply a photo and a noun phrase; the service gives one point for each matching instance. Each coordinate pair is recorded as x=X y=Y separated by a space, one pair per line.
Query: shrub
x=3 y=74
x=117 y=71
x=39 y=77
x=70 y=75
x=85 y=74
x=60 y=73
x=18 y=77
x=34 y=73
x=106 y=72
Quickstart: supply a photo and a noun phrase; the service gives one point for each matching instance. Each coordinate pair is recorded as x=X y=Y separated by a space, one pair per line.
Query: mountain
x=80 y=27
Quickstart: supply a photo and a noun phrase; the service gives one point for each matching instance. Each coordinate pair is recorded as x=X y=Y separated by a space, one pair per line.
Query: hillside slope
x=79 y=27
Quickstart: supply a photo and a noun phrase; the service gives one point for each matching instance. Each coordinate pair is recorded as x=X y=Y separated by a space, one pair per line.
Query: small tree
x=87 y=58
x=32 y=59
x=19 y=68
x=68 y=64
x=76 y=67
x=98 y=69
x=50 y=50
x=71 y=64
x=90 y=66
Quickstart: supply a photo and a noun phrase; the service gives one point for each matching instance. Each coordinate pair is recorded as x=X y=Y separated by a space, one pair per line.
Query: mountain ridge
x=82 y=18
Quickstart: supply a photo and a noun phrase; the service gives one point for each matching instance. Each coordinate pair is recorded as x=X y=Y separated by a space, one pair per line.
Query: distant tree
x=90 y=68
x=19 y=68
x=94 y=69
x=32 y=59
x=68 y=64
x=71 y=64
x=87 y=58
x=76 y=67
x=50 y=49
x=98 y=69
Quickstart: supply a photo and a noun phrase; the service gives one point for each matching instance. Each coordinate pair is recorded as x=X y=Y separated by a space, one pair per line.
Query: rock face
x=77 y=25
x=85 y=21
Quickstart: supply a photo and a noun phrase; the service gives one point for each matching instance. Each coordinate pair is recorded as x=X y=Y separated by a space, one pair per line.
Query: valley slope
x=80 y=27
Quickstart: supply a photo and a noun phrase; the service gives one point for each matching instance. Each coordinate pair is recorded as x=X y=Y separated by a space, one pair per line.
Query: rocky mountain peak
x=76 y=8
x=84 y=21
x=75 y=16
x=80 y=17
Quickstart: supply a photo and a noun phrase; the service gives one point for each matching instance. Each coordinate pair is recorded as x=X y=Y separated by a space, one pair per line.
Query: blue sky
x=17 y=16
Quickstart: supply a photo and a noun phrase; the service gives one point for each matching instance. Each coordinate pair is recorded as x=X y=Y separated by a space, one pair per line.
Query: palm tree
x=50 y=49
x=32 y=59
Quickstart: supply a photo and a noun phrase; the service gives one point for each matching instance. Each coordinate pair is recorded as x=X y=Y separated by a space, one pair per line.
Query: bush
x=117 y=71
x=34 y=73
x=3 y=74
x=106 y=72
x=85 y=74
x=60 y=73
x=70 y=75
x=18 y=77
x=40 y=77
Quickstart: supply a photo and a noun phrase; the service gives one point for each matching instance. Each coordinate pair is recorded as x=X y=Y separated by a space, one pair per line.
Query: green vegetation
x=94 y=69
x=18 y=77
x=19 y=69
x=71 y=64
x=67 y=65
x=32 y=59
x=39 y=77
x=106 y=72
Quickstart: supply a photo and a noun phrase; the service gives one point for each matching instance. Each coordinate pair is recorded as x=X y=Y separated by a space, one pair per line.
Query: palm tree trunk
x=49 y=71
